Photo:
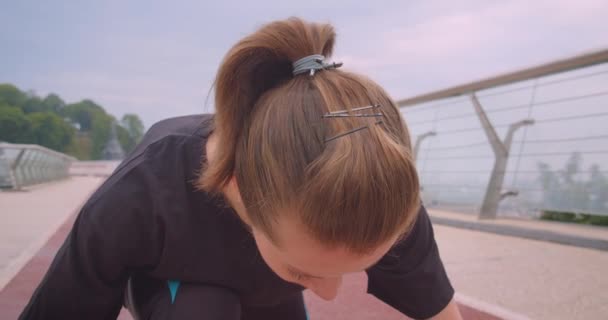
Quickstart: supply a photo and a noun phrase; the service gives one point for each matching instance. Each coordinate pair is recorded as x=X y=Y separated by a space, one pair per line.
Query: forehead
x=296 y=248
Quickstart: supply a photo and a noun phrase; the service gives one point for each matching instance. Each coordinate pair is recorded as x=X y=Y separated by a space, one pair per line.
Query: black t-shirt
x=148 y=218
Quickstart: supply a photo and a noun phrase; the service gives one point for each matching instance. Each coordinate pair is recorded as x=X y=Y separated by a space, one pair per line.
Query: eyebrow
x=306 y=275
x=400 y=238
x=301 y=273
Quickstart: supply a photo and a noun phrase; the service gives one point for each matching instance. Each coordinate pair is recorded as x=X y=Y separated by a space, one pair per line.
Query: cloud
x=152 y=97
x=160 y=61
x=463 y=45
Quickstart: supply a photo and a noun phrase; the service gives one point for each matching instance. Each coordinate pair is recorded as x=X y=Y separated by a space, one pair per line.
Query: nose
x=327 y=289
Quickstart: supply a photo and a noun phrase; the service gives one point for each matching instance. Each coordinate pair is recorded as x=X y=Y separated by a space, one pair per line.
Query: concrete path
x=585 y=236
x=539 y=279
x=352 y=303
x=496 y=276
x=31 y=216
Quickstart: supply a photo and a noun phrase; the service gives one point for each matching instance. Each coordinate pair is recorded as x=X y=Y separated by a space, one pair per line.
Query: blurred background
x=506 y=102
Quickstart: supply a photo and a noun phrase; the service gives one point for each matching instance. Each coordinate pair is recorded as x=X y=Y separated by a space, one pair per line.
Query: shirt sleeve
x=411 y=277
x=114 y=234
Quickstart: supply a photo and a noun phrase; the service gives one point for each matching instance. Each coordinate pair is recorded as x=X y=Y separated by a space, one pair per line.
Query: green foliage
x=34 y=104
x=598 y=189
x=560 y=216
x=15 y=127
x=51 y=131
x=11 y=95
x=598 y=220
x=575 y=196
x=83 y=113
x=43 y=128
x=575 y=218
x=81 y=146
x=126 y=141
x=101 y=124
x=81 y=129
x=134 y=126
x=53 y=103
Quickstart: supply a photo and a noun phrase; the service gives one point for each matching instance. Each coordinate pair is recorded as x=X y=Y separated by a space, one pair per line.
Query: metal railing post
x=17 y=181
x=419 y=140
x=493 y=195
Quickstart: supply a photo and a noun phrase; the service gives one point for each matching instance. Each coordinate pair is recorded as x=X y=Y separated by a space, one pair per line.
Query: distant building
x=113 y=150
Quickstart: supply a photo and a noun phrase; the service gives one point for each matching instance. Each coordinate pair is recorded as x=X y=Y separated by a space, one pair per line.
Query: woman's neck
x=230 y=191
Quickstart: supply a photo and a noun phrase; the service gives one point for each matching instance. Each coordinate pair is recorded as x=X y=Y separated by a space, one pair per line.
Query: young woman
x=304 y=174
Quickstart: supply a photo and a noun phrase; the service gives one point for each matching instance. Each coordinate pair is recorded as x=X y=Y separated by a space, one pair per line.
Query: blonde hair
x=357 y=191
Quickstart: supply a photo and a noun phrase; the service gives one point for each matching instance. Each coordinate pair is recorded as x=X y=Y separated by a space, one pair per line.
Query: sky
x=158 y=59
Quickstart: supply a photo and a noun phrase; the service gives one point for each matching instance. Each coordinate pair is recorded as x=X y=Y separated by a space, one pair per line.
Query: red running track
x=351 y=304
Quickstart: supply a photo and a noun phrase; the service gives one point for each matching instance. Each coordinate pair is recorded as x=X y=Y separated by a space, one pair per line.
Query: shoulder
x=174 y=144
x=411 y=276
x=193 y=127
x=406 y=254
x=168 y=158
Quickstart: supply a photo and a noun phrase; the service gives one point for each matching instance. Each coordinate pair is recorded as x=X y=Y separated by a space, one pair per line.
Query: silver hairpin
x=351 y=131
x=373 y=106
x=345 y=114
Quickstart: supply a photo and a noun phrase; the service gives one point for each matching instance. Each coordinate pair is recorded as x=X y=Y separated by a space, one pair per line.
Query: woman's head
x=353 y=195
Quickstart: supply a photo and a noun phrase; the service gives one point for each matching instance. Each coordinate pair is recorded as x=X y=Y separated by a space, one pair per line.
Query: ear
x=234 y=190
x=232 y=181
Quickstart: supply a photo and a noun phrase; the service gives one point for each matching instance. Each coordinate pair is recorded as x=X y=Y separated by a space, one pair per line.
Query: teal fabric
x=173 y=286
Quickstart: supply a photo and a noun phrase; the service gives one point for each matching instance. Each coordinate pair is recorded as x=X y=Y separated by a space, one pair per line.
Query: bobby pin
x=350 y=131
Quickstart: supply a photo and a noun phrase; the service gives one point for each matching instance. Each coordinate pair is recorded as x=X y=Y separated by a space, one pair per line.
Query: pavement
x=584 y=236
x=29 y=218
x=538 y=279
x=496 y=276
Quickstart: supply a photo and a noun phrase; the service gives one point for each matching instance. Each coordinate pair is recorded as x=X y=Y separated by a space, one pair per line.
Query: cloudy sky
x=158 y=59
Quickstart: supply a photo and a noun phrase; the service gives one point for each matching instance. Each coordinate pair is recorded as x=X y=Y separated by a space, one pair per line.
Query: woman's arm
x=450 y=312
x=113 y=235
x=411 y=277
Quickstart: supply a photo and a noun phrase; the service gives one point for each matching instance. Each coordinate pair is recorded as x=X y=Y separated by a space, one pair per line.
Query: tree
x=28 y=118
x=92 y=119
x=564 y=192
x=54 y=103
x=100 y=132
x=34 y=104
x=573 y=166
x=598 y=189
x=83 y=113
x=50 y=131
x=126 y=142
x=81 y=146
x=134 y=126
x=15 y=127
x=551 y=185
x=11 y=95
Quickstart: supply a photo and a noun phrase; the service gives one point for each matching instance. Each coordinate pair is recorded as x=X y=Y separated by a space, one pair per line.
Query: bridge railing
x=23 y=165
x=518 y=144
x=96 y=168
